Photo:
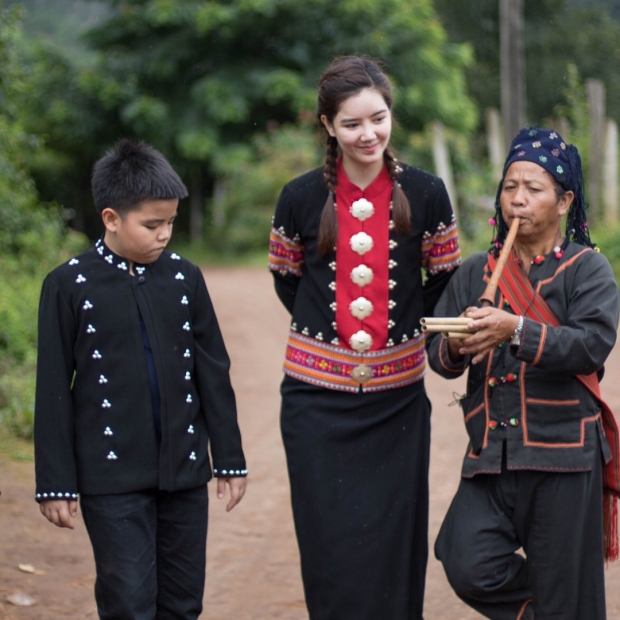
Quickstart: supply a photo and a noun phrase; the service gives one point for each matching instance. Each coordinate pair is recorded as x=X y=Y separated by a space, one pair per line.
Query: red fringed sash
x=516 y=287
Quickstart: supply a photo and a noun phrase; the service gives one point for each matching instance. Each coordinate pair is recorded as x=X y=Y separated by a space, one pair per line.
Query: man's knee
x=476 y=578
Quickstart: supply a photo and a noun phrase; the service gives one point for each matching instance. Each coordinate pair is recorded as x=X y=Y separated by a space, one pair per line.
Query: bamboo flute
x=457 y=327
x=488 y=297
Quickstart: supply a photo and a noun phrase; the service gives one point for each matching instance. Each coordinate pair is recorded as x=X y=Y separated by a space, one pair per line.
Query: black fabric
x=358 y=467
x=150 y=553
x=309 y=298
x=153 y=382
x=94 y=427
x=547 y=418
x=555 y=517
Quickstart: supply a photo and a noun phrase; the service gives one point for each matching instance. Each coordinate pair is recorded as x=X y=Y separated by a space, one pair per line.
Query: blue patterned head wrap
x=562 y=161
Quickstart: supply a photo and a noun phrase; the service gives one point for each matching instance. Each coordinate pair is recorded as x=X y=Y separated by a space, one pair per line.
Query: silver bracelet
x=515 y=340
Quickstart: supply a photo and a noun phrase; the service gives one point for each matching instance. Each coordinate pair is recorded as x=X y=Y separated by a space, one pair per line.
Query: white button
x=361 y=243
x=361 y=341
x=362 y=209
x=361 y=275
x=361 y=308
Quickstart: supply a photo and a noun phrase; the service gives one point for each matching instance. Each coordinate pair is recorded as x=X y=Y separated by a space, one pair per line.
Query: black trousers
x=150 y=553
x=556 y=518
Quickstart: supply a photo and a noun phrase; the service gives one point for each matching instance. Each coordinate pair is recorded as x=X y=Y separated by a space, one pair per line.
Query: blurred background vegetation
x=226 y=89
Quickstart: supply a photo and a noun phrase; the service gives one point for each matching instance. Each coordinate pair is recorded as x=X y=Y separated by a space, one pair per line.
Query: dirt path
x=253 y=568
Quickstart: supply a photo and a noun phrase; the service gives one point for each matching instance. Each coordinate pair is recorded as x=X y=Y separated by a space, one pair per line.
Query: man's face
x=528 y=192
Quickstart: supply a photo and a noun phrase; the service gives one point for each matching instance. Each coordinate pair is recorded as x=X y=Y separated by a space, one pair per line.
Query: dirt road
x=253 y=568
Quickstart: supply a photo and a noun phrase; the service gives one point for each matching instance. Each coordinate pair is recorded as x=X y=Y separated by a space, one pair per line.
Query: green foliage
x=585 y=33
x=250 y=179
x=607 y=238
x=33 y=240
x=198 y=79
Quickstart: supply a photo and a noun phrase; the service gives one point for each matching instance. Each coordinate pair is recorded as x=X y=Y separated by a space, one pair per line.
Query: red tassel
x=610 y=524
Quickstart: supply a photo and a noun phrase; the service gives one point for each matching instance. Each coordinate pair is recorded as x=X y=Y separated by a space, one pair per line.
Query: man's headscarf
x=562 y=161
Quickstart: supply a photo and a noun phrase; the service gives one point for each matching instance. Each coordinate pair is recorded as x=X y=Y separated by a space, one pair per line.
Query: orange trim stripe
x=551 y=403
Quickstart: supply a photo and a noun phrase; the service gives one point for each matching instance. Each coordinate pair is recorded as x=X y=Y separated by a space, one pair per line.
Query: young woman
x=348 y=245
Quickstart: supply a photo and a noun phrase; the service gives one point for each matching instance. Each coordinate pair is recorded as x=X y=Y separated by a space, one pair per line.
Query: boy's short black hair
x=130 y=172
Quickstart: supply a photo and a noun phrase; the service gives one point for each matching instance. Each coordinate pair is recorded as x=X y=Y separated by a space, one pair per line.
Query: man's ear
x=111 y=219
x=565 y=202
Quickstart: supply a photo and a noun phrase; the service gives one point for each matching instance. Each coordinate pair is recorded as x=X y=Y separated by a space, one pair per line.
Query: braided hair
x=563 y=163
x=344 y=78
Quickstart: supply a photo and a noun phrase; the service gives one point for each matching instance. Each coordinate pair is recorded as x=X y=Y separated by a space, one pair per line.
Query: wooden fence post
x=495 y=142
x=610 y=173
x=443 y=169
x=596 y=105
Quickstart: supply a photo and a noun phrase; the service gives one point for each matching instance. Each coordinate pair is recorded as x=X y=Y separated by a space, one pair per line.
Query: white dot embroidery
x=179 y=276
x=74 y=261
x=186 y=326
x=190 y=429
x=174 y=256
x=192 y=456
x=97 y=355
x=102 y=379
x=100 y=250
x=122 y=266
x=109 y=258
x=185 y=301
x=140 y=270
x=87 y=305
x=106 y=404
x=80 y=279
x=111 y=456
x=187 y=353
x=189 y=398
x=188 y=376
x=90 y=329
x=108 y=432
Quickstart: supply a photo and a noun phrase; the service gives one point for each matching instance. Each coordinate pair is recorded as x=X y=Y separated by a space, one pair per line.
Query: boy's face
x=141 y=235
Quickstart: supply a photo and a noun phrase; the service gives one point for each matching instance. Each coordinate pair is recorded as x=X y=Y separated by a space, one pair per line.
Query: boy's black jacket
x=94 y=426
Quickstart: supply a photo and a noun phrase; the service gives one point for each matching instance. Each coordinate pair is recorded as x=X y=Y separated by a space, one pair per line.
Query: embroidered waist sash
x=516 y=287
x=337 y=368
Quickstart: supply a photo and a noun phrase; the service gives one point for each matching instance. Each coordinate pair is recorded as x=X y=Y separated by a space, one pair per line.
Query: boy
x=132 y=385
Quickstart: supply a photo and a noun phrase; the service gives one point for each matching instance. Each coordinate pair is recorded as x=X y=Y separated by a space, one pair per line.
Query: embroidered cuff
x=447 y=363
x=285 y=255
x=441 y=251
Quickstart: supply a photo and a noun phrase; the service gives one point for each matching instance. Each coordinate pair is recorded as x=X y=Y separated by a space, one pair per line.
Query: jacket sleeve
x=441 y=253
x=582 y=344
x=286 y=252
x=55 y=463
x=216 y=393
x=453 y=301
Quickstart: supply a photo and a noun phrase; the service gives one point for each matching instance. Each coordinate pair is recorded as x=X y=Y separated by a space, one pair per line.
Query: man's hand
x=492 y=326
x=60 y=512
x=237 y=490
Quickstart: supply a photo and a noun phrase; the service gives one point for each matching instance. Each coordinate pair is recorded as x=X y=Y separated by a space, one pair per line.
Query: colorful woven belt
x=337 y=368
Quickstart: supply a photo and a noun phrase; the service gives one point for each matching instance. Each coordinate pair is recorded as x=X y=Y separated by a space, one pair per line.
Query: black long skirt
x=358 y=468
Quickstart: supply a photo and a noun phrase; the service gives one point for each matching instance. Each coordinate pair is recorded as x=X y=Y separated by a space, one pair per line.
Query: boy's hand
x=237 y=490
x=60 y=512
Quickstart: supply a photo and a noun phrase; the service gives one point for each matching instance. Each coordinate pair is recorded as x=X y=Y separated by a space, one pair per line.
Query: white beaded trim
x=231 y=472
x=56 y=496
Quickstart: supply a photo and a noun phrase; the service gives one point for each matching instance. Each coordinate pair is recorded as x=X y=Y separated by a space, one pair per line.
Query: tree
x=584 y=33
x=200 y=79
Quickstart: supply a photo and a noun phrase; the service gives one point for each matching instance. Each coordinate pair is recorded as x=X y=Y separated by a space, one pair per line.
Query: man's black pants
x=150 y=553
x=556 y=518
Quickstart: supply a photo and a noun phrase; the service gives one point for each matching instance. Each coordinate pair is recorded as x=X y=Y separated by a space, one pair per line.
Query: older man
x=538 y=470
